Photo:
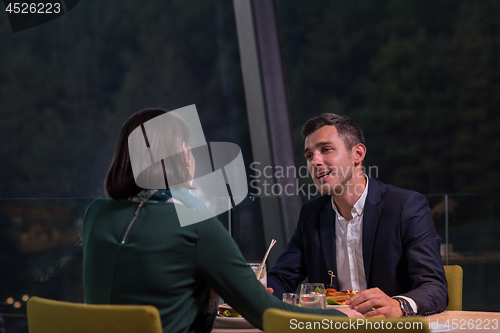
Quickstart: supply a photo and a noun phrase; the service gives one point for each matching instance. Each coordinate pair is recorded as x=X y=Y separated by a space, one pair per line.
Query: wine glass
x=263 y=274
x=313 y=296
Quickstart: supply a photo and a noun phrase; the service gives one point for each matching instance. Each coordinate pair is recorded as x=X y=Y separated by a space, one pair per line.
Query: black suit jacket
x=400 y=248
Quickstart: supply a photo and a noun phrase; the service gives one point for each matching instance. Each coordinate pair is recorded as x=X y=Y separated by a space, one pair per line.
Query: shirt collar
x=358 y=207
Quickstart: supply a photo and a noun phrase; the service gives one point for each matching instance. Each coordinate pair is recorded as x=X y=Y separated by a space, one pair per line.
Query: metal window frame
x=269 y=114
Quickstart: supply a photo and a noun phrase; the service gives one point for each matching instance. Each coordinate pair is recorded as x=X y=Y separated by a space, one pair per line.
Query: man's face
x=329 y=162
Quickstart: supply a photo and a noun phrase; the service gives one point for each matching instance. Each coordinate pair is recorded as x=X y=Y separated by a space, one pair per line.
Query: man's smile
x=322 y=175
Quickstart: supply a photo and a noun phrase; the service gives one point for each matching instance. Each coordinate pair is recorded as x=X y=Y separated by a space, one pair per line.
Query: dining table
x=447 y=321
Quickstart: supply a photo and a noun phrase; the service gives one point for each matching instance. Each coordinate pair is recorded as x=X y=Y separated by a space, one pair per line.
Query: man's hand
x=270 y=290
x=376 y=299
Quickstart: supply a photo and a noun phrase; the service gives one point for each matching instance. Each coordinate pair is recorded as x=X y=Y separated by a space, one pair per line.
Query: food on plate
x=332 y=302
x=226 y=311
x=334 y=297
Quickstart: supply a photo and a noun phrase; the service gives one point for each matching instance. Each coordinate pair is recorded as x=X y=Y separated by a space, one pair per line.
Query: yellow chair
x=280 y=321
x=48 y=316
x=455 y=277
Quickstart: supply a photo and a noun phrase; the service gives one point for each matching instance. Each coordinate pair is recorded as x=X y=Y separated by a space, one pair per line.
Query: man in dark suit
x=373 y=237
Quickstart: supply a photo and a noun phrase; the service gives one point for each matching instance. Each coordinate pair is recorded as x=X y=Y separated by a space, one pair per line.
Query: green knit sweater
x=168 y=266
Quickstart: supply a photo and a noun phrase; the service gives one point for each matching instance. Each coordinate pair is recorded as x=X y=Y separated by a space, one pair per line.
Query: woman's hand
x=350 y=312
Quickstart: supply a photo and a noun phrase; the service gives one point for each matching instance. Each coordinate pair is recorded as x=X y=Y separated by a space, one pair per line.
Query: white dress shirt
x=349 y=248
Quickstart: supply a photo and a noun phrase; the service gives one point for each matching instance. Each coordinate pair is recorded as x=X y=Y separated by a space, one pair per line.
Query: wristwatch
x=405 y=306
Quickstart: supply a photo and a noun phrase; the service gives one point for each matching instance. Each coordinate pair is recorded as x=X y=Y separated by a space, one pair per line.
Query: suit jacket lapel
x=370 y=221
x=327 y=235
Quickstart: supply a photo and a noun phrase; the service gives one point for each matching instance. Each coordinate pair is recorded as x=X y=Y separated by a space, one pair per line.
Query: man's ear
x=358 y=153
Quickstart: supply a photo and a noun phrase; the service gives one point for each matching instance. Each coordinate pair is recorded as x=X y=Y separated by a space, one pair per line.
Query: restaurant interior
x=421 y=78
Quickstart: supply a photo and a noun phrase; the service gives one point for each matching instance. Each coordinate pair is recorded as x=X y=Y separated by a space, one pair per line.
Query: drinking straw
x=265 y=258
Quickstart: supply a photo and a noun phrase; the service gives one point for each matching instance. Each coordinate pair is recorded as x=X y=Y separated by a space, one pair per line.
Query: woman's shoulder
x=106 y=205
x=110 y=208
x=99 y=203
x=96 y=205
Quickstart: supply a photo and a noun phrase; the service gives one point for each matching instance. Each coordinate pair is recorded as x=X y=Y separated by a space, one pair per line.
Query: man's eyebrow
x=317 y=145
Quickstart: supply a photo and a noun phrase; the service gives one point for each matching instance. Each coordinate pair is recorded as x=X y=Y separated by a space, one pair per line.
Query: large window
x=422 y=80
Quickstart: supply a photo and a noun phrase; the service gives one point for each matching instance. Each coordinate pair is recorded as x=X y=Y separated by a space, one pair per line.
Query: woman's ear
x=185 y=152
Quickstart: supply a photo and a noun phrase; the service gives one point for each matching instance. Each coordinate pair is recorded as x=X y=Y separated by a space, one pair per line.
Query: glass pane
x=474 y=226
x=69 y=84
x=420 y=77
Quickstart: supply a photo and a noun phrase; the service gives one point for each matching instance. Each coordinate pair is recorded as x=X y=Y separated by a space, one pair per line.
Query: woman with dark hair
x=136 y=252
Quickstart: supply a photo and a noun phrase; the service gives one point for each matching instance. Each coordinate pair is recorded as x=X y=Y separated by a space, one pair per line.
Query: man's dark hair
x=348 y=130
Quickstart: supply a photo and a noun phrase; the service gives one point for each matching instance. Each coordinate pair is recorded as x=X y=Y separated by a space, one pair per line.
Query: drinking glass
x=313 y=296
x=263 y=275
x=291 y=298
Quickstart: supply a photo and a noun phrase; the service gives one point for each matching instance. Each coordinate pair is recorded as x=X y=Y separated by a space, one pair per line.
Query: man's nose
x=317 y=160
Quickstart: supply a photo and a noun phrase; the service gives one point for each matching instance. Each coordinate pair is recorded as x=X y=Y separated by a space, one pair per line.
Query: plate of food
x=334 y=297
x=334 y=306
x=229 y=318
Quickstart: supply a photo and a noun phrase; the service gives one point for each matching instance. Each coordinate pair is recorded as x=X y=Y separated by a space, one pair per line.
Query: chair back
x=455 y=277
x=281 y=321
x=49 y=316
